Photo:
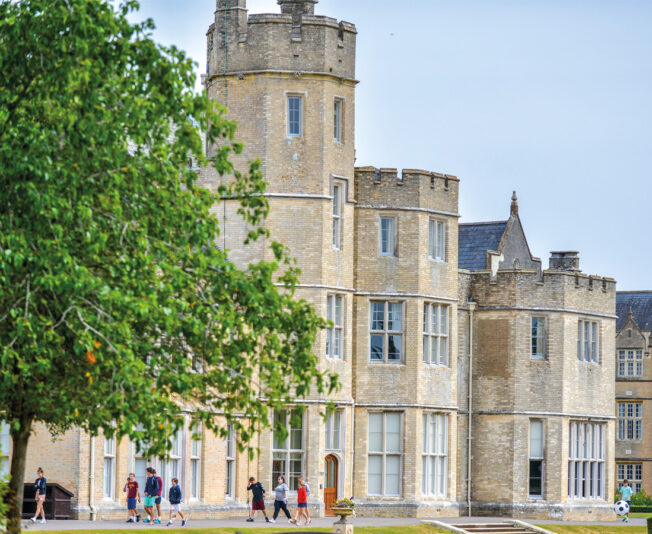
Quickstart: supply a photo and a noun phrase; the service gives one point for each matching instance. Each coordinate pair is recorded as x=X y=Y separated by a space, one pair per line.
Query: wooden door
x=330 y=487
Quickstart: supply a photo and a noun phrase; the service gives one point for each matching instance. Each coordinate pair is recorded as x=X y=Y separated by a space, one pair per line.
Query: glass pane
x=296 y=463
x=440 y=240
x=441 y=475
x=376 y=346
x=329 y=422
x=330 y=474
x=535 y=477
x=278 y=467
x=376 y=432
x=377 y=316
x=443 y=320
x=443 y=352
x=338 y=311
x=424 y=474
x=394 y=347
x=432 y=434
x=194 y=479
x=108 y=477
x=336 y=200
x=579 y=340
x=424 y=433
x=434 y=319
x=426 y=349
x=329 y=308
x=426 y=323
x=434 y=349
x=394 y=319
x=393 y=432
x=441 y=434
x=336 y=430
x=374 y=481
x=139 y=470
x=392 y=475
x=432 y=474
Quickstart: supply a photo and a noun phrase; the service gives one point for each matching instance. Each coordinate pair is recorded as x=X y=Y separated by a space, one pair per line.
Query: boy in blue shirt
x=151 y=491
x=626 y=495
x=174 y=497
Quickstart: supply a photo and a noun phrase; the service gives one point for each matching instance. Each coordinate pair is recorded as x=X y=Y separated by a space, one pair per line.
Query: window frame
x=110 y=460
x=385 y=332
x=631 y=363
x=335 y=335
x=434 y=460
x=630 y=417
x=392 y=240
x=537 y=458
x=437 y=230
x=384 y=454
x=586 y=460
x=338 y=191
x=588 y=341
x=288 y=451
x=230 y=455
x=338 y=119
x=333 y=426
x=538 y=338
x=290 y=133
x=632 y=472
x=436 y=338
x=5 y=436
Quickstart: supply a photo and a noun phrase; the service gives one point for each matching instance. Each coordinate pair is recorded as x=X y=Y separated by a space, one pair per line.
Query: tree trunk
x=19 y=439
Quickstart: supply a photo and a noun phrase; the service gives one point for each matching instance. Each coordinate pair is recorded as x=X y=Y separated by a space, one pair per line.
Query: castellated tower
x=288 y=79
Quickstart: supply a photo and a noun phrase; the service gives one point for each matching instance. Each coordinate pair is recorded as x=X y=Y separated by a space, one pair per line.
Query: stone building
x=634 y=389
x=535 y=367
x=437 y=327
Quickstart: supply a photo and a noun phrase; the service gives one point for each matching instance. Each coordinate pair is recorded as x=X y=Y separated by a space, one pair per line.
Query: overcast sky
x=551 y=98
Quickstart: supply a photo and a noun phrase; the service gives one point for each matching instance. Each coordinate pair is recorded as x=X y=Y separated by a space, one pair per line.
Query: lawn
x=410 y=529
x=588 y=529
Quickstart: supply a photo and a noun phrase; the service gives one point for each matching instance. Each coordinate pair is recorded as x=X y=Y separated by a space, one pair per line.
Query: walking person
x=257 y=499
x=281 y=499
x=157 y=501
x=133 y=493
x=302 y=503
x=151 y=491
x=626 y=495
x=40 y=487
x=174 y=496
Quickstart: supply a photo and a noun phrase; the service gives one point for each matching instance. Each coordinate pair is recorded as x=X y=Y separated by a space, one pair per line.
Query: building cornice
x=408 y=208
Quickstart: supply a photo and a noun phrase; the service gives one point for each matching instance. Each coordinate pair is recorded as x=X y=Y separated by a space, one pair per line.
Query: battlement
x=295 y=41
x=412 y=188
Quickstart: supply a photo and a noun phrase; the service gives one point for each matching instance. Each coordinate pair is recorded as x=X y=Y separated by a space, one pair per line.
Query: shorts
x=40 y=497
x=158 y=500
x=174 y=507
x=131 y=503
x=149 y=501
x=257 y=505
x=302 y=505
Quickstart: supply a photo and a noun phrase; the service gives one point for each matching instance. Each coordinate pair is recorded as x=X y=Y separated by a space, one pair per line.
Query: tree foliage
x=110 y=280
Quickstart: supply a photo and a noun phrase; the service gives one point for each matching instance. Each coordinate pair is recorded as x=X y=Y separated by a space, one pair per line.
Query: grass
x=590 y=529
x=639 y=514
x=409 y=529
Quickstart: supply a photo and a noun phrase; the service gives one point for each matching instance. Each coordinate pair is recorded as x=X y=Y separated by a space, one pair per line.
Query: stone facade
x=634 y=389
x=416 y=300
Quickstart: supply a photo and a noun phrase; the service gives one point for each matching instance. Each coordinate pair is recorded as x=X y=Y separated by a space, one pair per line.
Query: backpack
x=307 y=490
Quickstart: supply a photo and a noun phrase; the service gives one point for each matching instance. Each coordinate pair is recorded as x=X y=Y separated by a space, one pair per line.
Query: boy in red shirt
x=302 y=503
x=133 y=493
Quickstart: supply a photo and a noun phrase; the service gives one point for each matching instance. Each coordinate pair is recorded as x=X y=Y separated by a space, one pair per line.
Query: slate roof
x=640 y=303
x=474 y=240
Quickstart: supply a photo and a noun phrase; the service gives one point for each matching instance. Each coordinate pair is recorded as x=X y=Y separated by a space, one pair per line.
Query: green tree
x=110 y=280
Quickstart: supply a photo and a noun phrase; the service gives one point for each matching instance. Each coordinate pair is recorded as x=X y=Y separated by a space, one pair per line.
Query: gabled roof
x=640 y=302
x=475 y=239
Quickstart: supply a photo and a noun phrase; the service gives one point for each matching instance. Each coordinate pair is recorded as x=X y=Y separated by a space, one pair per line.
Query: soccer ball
x=621 y=508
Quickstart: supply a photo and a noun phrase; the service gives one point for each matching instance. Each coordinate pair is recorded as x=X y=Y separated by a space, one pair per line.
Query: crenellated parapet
x=411 y=188
x=296 y=42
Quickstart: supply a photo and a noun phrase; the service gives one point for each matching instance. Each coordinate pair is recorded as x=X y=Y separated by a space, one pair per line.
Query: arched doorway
x=330 y=486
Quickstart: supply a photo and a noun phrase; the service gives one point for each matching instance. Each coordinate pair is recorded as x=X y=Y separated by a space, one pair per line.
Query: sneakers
x=137 y=518
x=169 y=524
x=183 y=523
x=272 y=520
x=292 y=521
x=130 y=520
x=157 y=521
x=32 y=519
x=250 y=520
x=42 y=520
x=266 y=519
x=146 y=520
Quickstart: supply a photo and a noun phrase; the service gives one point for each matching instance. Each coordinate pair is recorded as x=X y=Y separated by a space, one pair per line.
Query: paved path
x=317 y=522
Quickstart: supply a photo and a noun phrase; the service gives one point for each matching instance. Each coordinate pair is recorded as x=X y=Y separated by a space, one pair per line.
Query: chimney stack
x=566 y=260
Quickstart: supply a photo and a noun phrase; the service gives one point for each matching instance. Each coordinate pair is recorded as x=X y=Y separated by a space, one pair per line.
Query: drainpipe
x=91 y=481
x=469 y=439
x=352 y=447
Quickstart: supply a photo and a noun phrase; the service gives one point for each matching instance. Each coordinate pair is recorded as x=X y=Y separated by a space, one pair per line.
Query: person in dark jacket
x=39 y=494
x=174 y=496
x=257 y=499
x=151 y=492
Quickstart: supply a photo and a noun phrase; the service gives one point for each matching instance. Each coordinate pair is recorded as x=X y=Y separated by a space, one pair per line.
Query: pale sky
x=552 y=98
